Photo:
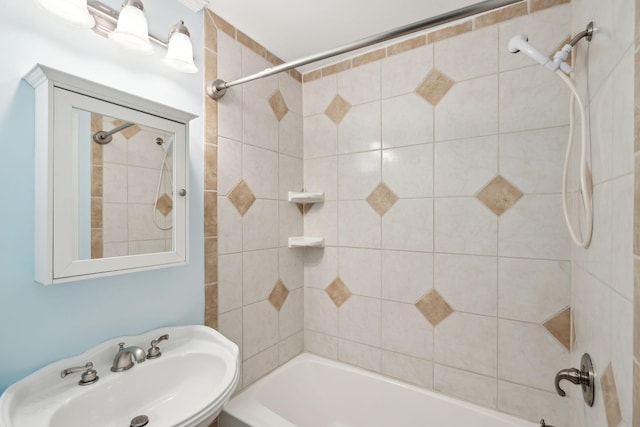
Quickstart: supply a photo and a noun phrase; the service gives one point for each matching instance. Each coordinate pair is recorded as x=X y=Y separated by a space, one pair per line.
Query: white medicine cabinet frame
x=60 y=232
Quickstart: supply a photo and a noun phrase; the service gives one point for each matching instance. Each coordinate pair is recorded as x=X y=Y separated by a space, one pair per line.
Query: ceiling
x=292 y=29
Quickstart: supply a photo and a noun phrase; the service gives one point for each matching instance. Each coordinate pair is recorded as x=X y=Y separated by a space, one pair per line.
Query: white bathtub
x=311 y=391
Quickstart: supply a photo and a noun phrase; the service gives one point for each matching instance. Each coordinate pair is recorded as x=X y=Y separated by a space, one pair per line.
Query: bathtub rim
x=245 y=399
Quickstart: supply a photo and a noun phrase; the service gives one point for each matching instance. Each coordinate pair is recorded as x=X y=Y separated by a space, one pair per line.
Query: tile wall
x=259 y=157
x=441 y=166
x=125 y=175
x=603 y=274
x=447 y=263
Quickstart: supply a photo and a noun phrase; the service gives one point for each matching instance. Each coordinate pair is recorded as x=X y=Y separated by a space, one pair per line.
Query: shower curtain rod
x=217 y=88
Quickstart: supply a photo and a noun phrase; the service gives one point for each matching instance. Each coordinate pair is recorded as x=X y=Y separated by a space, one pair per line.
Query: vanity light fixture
x=128 y=28
x=179 y=50
x=73 y=11
x=132 y=31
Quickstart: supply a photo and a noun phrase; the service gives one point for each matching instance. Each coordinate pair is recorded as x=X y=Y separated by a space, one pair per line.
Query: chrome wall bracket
x=585 y=377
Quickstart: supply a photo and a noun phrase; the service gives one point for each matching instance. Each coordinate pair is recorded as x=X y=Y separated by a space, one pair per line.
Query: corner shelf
x=306 y=242
x=305 y=197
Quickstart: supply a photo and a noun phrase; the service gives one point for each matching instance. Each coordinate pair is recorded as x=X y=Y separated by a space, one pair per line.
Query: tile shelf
x=306 y=198
x=306 y=242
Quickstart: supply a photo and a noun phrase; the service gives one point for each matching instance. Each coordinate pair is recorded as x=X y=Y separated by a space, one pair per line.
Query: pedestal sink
x=185 y=387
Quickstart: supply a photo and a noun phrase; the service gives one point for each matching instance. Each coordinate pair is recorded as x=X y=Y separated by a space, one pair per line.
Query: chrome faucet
x=125 y=357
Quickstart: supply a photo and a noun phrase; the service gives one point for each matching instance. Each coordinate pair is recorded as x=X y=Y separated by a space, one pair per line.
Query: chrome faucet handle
x=585 y=377
x=90 y=375
x=154 y=351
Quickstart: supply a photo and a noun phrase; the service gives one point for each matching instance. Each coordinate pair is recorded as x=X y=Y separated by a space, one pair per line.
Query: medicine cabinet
x=111 y=180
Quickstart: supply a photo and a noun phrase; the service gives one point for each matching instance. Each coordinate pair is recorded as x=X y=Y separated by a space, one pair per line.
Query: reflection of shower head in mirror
x=166 y=145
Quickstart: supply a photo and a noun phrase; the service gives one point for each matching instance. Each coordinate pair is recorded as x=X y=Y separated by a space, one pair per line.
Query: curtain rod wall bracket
x=216 y=88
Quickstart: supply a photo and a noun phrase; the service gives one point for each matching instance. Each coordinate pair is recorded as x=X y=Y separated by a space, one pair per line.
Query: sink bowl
x=186 y=386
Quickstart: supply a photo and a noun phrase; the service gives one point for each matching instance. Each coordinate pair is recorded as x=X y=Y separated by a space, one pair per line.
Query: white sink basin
x=186 y=386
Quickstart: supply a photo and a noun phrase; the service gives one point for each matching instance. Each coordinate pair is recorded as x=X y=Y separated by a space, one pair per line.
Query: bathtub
x=310 y=391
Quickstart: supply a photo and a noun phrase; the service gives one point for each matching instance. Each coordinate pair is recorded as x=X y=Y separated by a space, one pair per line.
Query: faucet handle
x=154 y=351
x=585 y=377
x=90 y=375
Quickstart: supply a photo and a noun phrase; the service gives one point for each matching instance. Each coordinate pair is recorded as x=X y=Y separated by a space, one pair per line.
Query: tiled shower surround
x=447 y=263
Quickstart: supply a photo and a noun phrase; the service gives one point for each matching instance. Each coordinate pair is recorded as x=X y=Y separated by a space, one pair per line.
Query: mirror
x=111 y=180
x=126 y=206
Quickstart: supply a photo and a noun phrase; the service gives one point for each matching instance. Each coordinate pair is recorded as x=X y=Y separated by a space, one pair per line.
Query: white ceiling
x=292 y=29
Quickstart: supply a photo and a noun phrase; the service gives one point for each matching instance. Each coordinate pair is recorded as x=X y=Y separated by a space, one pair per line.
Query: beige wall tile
x=450 y=31
x=434 y=308
x=311 y=75
x=435 y=87
x=536 y=5
x=500 y=15
x=223 y=25
x=210 y=214
x=369 y=57
x=636 y=209
x=381 y=199
x=406 y=45
x=278 y=105
x=251 y=44
x=242 y=197
x=499 y=195
x=211 y=260
x=211 y=305
x=560 y=327
x=210 y=31
x=636 y=308
x=636 y=393
x=210 y=167
x=96 y=244
x=278 y=295
x=96 y=181
x=96 y=212
x=337 y=109
x=338 y=292
x=610 y=396
x=637 y=93
x=336 y=68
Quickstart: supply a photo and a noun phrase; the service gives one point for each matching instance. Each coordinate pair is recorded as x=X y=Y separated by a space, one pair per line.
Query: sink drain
x=139 y=421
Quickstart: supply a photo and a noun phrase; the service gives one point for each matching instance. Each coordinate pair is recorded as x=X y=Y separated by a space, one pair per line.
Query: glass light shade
x=73 y=11
x=180 y=54
x=132 y=31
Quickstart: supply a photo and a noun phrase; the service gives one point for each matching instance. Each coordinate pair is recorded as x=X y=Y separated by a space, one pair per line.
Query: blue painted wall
x=41 y=324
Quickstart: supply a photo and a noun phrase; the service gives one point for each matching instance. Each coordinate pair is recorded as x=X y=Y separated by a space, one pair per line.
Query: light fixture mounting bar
x=107 y=19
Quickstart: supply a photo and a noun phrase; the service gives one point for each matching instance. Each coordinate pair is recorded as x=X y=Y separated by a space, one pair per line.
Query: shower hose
x=580 y=238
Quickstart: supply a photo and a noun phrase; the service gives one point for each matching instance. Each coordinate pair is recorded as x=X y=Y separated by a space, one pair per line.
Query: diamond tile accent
x=242 y=197
x=164 y=204
x=435 y=87
x=278 y=105
x=610 y=397
x=560 y=327
x=129 y=132
x=278 y=295
x=382 y=199
x=338 y=292
x=434 y=307
x=337 y=109
x=499 y=195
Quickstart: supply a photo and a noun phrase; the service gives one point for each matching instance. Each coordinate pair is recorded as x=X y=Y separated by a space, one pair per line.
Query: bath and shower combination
x=558 y=64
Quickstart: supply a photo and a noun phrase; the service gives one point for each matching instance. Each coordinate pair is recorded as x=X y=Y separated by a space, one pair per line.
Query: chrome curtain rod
x=217 y=88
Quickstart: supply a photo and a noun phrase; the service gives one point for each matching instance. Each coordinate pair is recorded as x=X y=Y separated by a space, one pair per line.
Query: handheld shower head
x=520 y=43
